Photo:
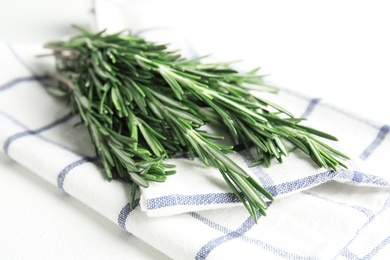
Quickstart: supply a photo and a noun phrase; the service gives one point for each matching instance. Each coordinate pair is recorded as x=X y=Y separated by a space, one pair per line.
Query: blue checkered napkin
x=202 y=188
x=197 y=190
x=307 y=220
x=194 y=188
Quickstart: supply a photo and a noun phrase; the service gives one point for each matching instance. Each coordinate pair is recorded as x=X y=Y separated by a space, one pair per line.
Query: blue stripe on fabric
x=376 y=249
x=64 y=172
x=124 y=214
x=383 y=131
x=385 y=206
x=304 y=182
x=219 y=198
x=239 y=233
x=358 y=178
x=198 y=199
x=367 y=212
x=349 y=255
x=310 y=107
x=264 y=178
x=335 y=108
x=21 y=60
x=214 y=243
x=15 y=121
x=14 y=137
x=209 y=222
x=16 y=81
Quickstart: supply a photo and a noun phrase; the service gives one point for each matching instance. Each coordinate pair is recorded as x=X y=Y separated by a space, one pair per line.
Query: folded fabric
x=317 y=214
x=40 y=132
x=203 y=188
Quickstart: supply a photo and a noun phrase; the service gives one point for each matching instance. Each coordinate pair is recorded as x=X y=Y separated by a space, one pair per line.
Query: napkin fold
x=203 y=188
x=198 y=216
x=317 y=214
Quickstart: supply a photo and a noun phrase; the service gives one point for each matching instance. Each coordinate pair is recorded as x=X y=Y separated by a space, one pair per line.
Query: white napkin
x=203 y=188
x=307 y=220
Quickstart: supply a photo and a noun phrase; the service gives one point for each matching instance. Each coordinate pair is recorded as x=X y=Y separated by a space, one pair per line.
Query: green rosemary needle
x=143 y=104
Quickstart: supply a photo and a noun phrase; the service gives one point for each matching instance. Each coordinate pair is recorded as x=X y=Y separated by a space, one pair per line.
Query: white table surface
x=350 y=66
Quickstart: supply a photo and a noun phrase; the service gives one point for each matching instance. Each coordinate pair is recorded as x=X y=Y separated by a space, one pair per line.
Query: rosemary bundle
x=143 y=103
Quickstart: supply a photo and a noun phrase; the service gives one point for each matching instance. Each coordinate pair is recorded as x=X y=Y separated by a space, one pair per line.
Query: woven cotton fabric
x=317 y=214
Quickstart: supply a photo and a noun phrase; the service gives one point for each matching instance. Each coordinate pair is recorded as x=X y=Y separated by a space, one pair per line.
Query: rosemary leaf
x=142 y=104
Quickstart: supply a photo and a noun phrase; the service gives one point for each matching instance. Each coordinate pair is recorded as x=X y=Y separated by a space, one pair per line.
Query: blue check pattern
x=220 y=233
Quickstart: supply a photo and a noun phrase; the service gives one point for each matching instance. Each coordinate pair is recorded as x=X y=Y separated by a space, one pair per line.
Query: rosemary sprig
x=143 y=103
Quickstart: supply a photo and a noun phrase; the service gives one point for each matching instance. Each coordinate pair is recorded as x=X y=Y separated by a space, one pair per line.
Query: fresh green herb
x=143 y=104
